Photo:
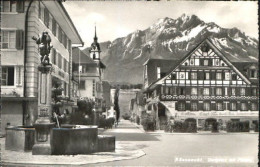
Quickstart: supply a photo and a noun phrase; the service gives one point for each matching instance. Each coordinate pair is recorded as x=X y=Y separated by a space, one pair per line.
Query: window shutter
x=39 y=11
x=69 y=43
x=213 y=106
x=248 y=91
x=54 y=26
x=20 y=6
x=213 y=76
x=19 y=39
x=237 y=91
x=188 y=91
x=200 y=75
x=210 y=62
x=228 y=106
x=187 y=106
x=238 y=106
x=200 y=106
x=46 y=17
x=201 y=62
x=176 y=106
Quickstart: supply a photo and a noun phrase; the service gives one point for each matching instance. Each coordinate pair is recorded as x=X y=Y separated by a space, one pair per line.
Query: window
x=253 y=92
x=54 y=27
x=7 y=76
x=206 y=62
x=194 y=106
x=181 y=106
x=65 y=65
x=82 y=85
x=227 y=76
x=53 y=56
x=158 y=72
x=218 y=91
x=193 y=75
x=234 y=77
x=253 y=106
x=8 y=39
x=65 y=89
x=233 y=106
x=191 y=61
x=243 y=106
x=206 y=76
x=206 y=106
x=182 y=75
x=219 y=106
x=218 y=75
x=253 y=74
x=217 y=62
x=174 y=91
x=173 y=76
x=59 y=60
x=206 y=91
x=233 y=91
x=242 y=91
x=182 y=92
x=46 y=17
x=194 y=91
x=8 y=6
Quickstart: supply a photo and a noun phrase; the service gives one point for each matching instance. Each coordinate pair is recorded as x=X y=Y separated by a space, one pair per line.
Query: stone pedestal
x=43 y=125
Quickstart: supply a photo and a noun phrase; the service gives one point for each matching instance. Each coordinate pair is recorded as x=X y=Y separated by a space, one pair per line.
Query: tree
x=116 y=104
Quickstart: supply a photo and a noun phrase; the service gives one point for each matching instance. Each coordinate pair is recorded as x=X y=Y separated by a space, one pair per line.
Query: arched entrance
x=162 y=116
x=191 y=124
x=211 y=124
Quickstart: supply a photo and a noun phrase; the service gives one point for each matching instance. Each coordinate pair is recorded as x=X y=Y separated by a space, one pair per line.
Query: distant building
x=20 y=56
x=89 y=72
x=137 y=106
x=204 y=87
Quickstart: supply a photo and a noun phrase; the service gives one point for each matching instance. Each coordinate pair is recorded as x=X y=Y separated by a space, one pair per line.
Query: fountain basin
x=74 y=139
x=106 y=143
x=19 y=138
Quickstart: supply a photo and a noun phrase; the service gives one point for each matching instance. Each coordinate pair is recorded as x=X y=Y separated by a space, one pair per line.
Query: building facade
x=89 y=69
x=21 y=20
x=205 y=87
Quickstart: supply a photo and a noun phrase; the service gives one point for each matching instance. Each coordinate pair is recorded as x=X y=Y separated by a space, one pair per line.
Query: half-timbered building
x=204 y=86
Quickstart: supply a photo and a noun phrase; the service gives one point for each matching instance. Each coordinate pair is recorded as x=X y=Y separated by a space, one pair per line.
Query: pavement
x=125 y=150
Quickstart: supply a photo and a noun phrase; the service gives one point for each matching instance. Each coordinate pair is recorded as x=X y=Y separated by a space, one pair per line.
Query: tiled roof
x=80 y=56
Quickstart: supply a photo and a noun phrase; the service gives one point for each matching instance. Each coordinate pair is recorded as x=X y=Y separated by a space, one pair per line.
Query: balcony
x=193 y=97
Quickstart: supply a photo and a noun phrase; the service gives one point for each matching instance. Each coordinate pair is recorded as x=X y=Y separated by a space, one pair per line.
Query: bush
x=214 y=127
x=148 y=123
x=138 y=120
x=106 y=123
x=126 y=116
x=77 y=118
x=238 y=126
x=183 y=127
x=256 y=128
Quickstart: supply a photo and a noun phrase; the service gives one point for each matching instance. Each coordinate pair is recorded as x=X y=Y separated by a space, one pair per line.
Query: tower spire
x=95 y=37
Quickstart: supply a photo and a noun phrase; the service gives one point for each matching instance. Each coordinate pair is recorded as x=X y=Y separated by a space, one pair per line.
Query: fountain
x=64 y=140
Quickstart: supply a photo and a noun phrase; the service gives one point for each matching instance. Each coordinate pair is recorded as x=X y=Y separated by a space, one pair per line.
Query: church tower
x=95 y=49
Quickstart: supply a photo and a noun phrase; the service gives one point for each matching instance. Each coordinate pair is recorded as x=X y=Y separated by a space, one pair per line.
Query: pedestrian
x=172 y=124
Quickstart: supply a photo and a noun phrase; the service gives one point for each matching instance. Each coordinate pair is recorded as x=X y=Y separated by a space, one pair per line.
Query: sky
x=120 y=18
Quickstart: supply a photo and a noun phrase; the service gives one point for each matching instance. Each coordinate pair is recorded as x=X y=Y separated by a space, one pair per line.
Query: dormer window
x=253 y=74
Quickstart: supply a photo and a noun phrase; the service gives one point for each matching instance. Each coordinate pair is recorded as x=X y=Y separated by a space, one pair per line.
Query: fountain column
x=43 y=124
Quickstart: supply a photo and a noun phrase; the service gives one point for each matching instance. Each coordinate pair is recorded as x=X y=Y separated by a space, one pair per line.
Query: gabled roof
x=79 y=56
x=215 y=49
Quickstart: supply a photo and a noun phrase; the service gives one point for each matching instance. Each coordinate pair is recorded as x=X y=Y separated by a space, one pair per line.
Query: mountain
x=171 y=39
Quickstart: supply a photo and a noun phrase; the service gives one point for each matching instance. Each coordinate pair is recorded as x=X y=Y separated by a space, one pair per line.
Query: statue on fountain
x=44 y=42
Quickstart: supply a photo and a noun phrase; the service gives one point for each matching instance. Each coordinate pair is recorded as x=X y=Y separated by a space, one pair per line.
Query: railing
x=192 y=97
